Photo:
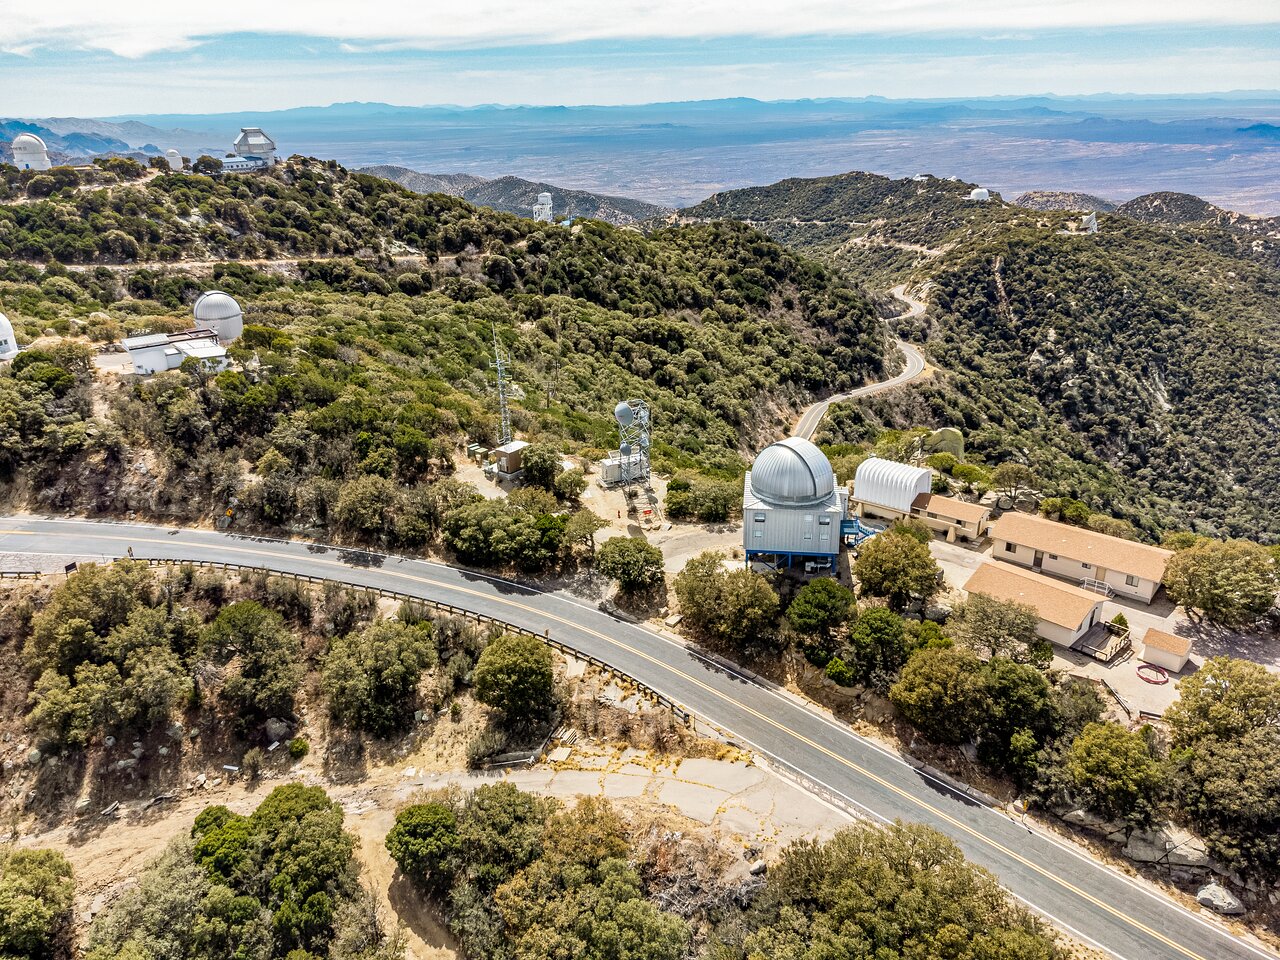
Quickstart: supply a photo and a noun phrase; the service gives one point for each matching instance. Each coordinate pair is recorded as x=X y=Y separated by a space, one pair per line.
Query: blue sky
x=83 y=58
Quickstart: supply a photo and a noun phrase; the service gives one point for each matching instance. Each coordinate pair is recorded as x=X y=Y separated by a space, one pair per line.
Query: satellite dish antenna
x=624 y=449
x=623 y=413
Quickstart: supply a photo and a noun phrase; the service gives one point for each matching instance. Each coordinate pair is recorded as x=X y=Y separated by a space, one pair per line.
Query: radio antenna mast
x=500 y=364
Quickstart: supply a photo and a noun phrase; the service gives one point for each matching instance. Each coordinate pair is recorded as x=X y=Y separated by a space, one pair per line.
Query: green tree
x=1013 y=479
x=36 y=899
x=995 y=627
x=571 y=484
x=514 y=675
x=1224 y=700
x=423 y=843
x=898 y=567
x=371 y=677
x=943 y=692
x=368 y=505
x=1231 y=791
x=265 y=656
x=634 y=563
x=541 y=465
x=738 y=609
x=820 y=607
x=879 y=643
x=1019 y=719
x=582 y=527
x=1232 y=582
x=900 y=891
x=1114 y=769
x=207 y=165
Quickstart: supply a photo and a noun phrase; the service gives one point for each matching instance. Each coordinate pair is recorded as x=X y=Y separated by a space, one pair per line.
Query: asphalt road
x=1098 y=905
x=809 y=420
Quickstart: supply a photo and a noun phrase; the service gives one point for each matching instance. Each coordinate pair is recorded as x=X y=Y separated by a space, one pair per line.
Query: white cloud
x=139 y=27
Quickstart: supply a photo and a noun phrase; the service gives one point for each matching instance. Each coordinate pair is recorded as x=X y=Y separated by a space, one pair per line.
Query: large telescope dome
x=219 y=312
x=792 y=472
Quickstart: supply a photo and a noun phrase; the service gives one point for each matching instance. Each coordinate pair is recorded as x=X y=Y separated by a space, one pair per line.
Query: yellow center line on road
x=906 y=795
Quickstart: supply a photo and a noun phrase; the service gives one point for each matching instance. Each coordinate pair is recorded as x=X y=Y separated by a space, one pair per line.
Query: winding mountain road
x=807 y=425
x=1127 y=918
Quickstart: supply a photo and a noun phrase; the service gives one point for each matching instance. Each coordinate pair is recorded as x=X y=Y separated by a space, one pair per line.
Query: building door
x=1038 y=560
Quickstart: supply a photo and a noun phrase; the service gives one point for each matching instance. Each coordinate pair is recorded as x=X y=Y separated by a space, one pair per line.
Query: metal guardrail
x=682 y=714
x=1128 y=711
x=20 y=574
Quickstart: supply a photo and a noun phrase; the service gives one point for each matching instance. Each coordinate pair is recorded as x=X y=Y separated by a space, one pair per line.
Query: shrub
x=840 y=672
x=371 y=677
x=36 y=899
x=298 y=748
x=422 y=841
x=514 y=675
x=635 y=564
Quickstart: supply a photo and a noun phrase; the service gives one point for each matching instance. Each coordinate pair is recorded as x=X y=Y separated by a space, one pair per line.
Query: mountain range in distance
x=515 y=195
x=1224 y=148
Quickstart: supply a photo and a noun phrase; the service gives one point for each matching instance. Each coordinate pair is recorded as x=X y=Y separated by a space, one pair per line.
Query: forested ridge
x=366 y=352
x=1135 y=368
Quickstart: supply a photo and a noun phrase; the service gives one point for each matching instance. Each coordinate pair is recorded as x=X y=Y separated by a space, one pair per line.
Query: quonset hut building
x=791 y=507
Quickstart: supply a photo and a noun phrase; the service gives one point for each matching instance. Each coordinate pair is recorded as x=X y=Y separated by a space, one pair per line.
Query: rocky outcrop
x=1169 y=845
x=1220 y=900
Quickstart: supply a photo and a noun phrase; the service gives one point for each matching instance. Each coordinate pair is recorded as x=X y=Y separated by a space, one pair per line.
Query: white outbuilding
x=174 y=159
x=791 y=507
x=889 y=485
x=8 y=340
x=219 y=312
x=979 y=193
x=30 y=153
x=157 y=352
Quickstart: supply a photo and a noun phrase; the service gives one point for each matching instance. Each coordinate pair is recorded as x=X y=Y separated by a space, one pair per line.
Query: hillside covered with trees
x=369 y=336
x=1135 y=368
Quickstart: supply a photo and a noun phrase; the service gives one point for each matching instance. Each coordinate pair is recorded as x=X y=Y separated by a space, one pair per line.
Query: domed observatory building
x=30 y=153
x=219 y=312
x=8 y=340
x=791 y=507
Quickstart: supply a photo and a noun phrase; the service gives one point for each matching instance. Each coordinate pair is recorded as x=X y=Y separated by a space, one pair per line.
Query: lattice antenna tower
x=634 y=430
x=501 y=364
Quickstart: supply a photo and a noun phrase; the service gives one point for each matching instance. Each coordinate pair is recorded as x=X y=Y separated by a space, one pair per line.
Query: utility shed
x=1166 y=650
x=508 y=459
x=1066 y=612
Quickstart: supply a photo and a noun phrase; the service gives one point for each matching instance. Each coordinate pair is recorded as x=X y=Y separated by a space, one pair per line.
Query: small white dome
x=220 y=313
x=792 y=472
x=8 y=341
x=173 y=158
x=979 y=193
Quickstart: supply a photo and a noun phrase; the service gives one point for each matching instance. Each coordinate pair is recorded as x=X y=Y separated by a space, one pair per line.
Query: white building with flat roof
x=157 y=352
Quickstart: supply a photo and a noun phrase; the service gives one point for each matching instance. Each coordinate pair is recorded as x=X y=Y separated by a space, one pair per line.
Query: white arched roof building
x=791 y=507
x=8 y=340
x=30 y=153
x=887 y=483
x=219 y=312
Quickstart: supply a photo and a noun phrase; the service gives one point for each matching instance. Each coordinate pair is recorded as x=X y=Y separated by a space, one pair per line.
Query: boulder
x=277 y=729
x=1167 y=844
x=1095 y=823
x=1220 y=900
x=33 y=756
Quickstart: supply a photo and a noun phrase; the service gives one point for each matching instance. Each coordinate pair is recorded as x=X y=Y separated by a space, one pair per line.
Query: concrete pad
x=729 y=777
x=695 y=801
x=575 y=783
x=619 y=786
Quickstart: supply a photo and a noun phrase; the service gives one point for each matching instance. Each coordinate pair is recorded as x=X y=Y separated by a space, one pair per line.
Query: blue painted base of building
x=787 y=560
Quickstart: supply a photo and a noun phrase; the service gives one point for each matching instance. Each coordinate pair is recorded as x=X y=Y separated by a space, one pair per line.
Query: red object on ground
x=1159 y=676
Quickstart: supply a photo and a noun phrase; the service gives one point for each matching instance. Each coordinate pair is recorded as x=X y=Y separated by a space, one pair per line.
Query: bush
x=819 y=607
x=251 y=763
x=298 y=748
x=898 y=567
x=422 y=842
x=841 y=673
x=1115 y=771
x=514 y=676
x=737 y=609
x=371 y=677
x=36 y=899
x=635 y=564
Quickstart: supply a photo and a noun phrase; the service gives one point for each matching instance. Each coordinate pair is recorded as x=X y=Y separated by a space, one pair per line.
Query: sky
x=92 y=58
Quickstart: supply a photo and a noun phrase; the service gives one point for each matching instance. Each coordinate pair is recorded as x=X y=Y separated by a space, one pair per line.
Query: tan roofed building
x=1066 y=613
x=1166 y=650
x=1093 y=560
x=888 y=490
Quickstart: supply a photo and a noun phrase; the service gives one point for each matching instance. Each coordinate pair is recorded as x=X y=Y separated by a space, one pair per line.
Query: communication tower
x=500 y=364
x=634 y=425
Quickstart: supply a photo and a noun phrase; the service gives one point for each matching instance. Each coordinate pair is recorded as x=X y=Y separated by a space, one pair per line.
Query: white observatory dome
x=173 y=158
x=30 y=152
x=792 y=472
x=979 y=193
x=8 y=341
x=219 y=312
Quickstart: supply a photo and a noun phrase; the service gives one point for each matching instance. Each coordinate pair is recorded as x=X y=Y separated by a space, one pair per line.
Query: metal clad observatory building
x=8 y=341
x=791 y=506
x=219 y=312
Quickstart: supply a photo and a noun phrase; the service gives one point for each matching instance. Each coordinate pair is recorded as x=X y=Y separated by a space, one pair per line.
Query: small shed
x=1166 y=650
x=509 y=459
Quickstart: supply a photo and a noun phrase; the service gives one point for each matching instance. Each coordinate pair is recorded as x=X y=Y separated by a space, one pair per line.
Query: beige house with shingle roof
x=1066 y=613
x=1092 y=559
